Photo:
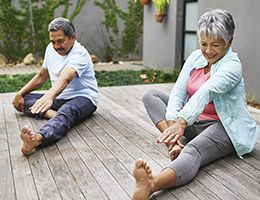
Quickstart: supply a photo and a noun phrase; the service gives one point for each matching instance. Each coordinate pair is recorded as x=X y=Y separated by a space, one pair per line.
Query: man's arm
x=45 y=102
x=37 y=81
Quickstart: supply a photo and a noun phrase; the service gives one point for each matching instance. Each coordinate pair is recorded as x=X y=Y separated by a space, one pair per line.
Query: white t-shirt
x=84 y=84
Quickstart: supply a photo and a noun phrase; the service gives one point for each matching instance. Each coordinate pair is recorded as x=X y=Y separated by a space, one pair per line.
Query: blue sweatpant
x=69 y=113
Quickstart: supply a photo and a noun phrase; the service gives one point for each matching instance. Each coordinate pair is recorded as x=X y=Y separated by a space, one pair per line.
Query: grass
x=12 y=83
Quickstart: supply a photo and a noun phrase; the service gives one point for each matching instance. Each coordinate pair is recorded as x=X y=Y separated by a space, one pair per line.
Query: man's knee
x=78 y=108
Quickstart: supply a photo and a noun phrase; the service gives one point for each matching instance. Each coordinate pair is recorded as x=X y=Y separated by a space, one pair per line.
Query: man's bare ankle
x=38 y=138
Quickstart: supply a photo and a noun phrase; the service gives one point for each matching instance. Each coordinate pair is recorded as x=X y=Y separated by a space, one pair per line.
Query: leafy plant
x=161 y=5
x=23 y=29
x=12 y=83
x=121 y=42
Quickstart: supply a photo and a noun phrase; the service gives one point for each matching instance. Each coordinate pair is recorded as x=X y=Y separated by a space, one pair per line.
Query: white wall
x=159 y=39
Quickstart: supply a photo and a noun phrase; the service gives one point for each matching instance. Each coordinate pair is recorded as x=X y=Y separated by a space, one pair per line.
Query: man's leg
x=211 y=144
x=29 y=101
x=69 y=114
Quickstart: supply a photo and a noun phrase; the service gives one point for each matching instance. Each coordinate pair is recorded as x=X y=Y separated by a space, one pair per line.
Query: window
x=190 y=42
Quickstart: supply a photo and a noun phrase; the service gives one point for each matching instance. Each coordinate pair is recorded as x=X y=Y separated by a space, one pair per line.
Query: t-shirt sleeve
x=45 y=60
x=80 y=60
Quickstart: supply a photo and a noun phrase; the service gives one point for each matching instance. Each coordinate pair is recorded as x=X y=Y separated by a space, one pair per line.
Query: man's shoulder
x=78 y=47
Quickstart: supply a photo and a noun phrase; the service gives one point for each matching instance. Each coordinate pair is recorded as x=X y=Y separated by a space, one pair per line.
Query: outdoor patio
x=96 y=159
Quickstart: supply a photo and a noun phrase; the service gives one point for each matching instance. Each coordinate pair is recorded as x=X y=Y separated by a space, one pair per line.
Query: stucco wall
x=159 y=39
x=246 y=39
x=90 y=30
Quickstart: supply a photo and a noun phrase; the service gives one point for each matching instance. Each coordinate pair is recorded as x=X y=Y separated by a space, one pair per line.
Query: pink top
x=197 y=79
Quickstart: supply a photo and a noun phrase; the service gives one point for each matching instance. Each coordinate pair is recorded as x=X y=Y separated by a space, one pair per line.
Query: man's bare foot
x=50 y=114
x=30 y=141
x=144 y=180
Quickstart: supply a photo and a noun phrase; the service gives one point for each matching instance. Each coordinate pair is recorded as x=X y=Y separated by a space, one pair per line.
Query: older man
x=73 y=95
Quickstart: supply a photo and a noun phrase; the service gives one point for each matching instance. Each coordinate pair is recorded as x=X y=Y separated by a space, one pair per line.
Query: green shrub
x=24 y=29
x=12 y=83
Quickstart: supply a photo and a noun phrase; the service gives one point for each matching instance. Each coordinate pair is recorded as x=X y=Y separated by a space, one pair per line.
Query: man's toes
x=25 y=130
x=139 y=163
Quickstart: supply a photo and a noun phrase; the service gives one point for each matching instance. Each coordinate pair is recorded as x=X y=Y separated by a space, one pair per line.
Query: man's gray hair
x=217 y=23
x=61 y=23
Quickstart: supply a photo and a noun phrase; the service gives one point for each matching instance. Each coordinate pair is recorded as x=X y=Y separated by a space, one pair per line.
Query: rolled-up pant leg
x=211 y=144
x=155 y=103
x=68 y=115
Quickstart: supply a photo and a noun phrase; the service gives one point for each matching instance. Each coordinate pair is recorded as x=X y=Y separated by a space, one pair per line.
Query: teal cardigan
x=225 y=88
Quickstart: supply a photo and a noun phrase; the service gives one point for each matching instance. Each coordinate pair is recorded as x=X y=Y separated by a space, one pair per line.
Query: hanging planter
x=159 y=17
x=144 y=2
x=161 y=9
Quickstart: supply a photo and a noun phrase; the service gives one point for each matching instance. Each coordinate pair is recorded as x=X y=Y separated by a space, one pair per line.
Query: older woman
x=206 y=116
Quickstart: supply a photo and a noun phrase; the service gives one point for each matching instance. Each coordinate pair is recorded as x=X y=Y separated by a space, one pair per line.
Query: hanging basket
x=144 y=2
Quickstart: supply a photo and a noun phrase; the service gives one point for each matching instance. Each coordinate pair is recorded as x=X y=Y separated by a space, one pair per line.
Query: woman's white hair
x=217 y=23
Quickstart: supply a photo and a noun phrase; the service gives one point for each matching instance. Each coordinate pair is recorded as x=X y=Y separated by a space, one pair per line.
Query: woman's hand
x=174 y=151
x=173 y=133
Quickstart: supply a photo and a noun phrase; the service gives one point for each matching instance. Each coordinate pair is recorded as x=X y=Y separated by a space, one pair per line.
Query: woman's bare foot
x=144 y=180
x=30 y=140
x=174 y=151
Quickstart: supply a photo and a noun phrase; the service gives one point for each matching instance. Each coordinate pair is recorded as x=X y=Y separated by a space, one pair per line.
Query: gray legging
x=207 y=140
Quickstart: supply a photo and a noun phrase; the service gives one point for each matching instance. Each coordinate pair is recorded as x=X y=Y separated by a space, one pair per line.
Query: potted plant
x=144 y=2
x=161 y=9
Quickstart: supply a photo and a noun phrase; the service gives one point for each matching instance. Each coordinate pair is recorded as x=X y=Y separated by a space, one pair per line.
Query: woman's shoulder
x=196 y=59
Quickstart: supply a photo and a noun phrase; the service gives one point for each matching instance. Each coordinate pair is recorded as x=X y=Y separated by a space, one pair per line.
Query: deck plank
x=6 y=176
x=45 y=184
x=25 y=188
x=96 y=158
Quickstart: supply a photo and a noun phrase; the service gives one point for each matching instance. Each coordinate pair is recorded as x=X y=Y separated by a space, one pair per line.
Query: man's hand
x=18 y=102
x=173 y=133
x=41 y=105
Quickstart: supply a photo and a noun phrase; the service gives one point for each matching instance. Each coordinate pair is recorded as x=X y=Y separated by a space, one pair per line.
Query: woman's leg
x=213 y=143
x=146 y=184
x=155 y=102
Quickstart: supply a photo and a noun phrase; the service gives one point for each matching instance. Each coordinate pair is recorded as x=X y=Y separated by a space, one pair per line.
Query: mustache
x=59 y=49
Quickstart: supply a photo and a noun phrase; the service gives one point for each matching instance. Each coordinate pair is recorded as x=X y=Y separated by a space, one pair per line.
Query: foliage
x=161 y=5
x=121 y=42
x=23 y=28
x=12 y=83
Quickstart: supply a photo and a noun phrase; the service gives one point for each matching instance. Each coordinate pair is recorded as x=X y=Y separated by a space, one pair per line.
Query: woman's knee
x=149 y=95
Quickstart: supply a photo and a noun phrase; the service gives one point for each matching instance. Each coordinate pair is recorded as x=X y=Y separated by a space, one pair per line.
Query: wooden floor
x=95 y=160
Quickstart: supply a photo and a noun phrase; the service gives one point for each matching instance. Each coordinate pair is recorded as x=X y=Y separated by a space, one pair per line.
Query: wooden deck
x=95 y=160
